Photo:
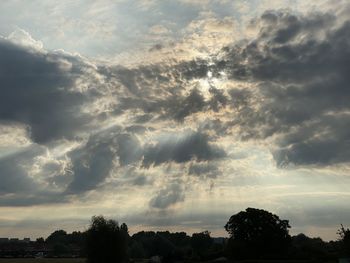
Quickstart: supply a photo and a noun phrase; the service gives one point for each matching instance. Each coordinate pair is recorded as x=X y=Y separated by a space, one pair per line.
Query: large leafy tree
x=256 y=233
x=106 y=241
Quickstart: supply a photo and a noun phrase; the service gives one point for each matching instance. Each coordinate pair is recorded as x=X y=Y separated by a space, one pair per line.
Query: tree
x=40 y=241
x=256 y=233
x=137 y=250
x=201 y=242
x=304 y=247
x=124 y=228
x=59 y=236
x=344 y=234
x=60 y=249
x=154 y=244
x=106 y=242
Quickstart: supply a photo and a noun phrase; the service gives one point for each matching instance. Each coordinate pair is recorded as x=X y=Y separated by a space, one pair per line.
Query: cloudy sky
x=173 y=114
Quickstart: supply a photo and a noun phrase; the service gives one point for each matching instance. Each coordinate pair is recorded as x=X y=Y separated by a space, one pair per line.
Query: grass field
x=42 y=260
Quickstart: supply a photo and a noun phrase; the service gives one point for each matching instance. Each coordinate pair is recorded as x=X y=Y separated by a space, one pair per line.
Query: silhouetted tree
x=256 y=233
x=106 y=242
x=304 y=247
x=201 y=242
x=137 y=250
x=58 y=236
x=60 y=249
x=163 y=246
x=124 y=228
x=162 y=243
x=344 y=234
x=40 y=241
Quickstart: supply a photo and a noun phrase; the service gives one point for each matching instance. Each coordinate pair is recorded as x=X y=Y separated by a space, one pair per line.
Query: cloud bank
x=74 y=128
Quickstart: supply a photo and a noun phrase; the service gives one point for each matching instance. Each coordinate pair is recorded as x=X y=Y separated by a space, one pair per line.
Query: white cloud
x=23 y=38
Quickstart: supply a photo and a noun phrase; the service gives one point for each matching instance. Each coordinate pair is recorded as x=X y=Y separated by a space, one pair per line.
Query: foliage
x=60 y=249
x=63 y=243
x=201 y=242
x=42 y=260
x=153 y=243
x=344 y=234
x=106 y=242
x=256 y=233
x=59 y=236
x=304 y=247
x=253 y=233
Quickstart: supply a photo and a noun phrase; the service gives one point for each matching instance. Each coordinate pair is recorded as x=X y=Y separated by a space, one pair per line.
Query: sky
x=173 y=114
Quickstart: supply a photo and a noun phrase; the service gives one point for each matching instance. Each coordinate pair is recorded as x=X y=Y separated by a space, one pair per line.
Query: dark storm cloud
x=180 y=107
x=300 y=67
x=36 y=89
x=194 y=69
x=17 y=187
x=170 y=195
x=13 y=173
x=129 y=149
x=218 y=99
x=40 y=89
x=114 y=149
x=136 y=129
x=93 y=162
x=328 y=142
x=204 y=169
x=165 y=90
x=181 y=148
x=91 y=165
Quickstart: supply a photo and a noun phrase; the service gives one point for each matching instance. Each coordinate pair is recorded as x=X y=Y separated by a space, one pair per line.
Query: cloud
x=129 y=149
x=34 y=199
x=204 y=169
x=111 y=150
x=298 y=69
x=91 y=164
x=21 y=186
x=180 y=107
x=168 y=91
x=181 y=148
x=41 y=90
x=170 y=195
x=287 y=86
x=12 y=136
x=13 y=171
x=103 y=153
x=23 y=38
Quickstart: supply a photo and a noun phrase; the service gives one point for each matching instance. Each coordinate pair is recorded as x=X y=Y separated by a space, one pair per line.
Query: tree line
x=253 y=234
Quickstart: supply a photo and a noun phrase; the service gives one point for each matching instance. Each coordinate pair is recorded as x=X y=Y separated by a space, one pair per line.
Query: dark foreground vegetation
x=42 y=260
x=255 y=235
